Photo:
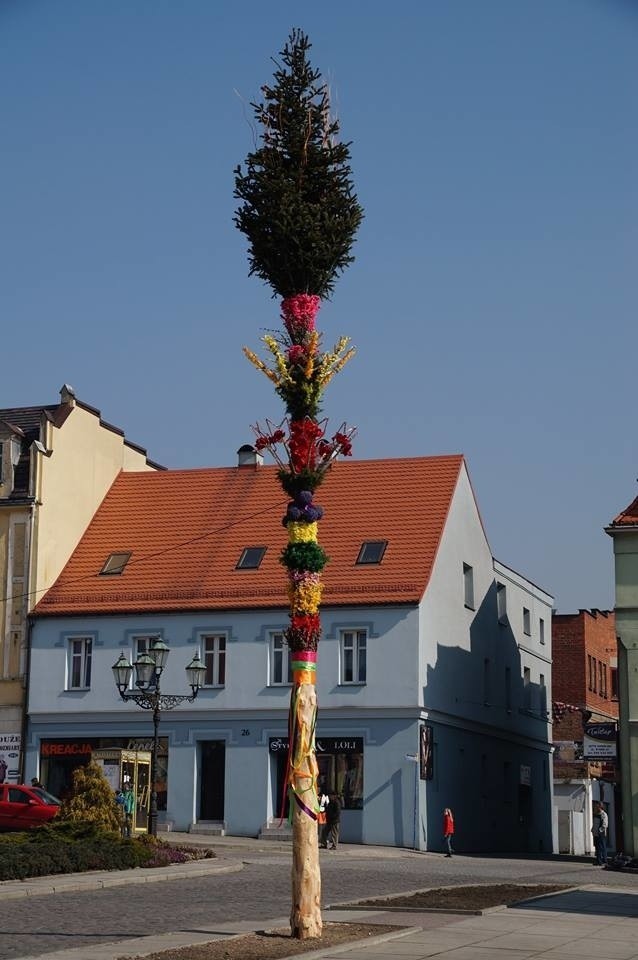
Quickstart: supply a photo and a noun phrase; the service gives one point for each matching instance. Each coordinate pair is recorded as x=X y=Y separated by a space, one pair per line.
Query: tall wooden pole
x=300 y=215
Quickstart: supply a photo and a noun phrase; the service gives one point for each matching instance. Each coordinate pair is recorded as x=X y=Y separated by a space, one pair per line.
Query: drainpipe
x=25 y=687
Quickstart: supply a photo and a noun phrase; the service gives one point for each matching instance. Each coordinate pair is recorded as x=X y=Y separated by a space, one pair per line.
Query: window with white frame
x=468 y=586
x=80 y=652
x=353 y=656
x=280 y=662
x=501 y=602
x=527 y=622
x=214 y=659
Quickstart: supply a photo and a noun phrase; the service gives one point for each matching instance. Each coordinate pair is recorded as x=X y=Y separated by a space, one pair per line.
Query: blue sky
x=493 y=298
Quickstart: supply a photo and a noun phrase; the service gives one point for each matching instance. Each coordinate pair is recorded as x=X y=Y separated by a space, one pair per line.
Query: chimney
x=249 y=457
x=67 y=394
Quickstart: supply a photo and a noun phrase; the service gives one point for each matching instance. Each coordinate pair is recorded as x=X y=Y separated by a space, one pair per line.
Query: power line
x=158 y=553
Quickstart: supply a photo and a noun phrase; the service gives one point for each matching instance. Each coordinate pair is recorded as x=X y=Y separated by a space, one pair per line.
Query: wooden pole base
x=305 y=914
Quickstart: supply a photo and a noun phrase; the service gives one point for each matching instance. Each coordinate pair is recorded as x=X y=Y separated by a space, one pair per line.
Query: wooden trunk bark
x=305 y=914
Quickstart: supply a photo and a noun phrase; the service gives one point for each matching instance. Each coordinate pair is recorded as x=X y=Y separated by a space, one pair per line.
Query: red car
x=22 y=807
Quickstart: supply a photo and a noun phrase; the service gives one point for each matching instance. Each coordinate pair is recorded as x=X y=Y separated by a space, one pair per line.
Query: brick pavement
x=37 y=925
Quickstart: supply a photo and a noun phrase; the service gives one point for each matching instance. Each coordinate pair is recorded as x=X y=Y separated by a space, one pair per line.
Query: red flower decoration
x=297 y=354
x=303 y=444
x=343 y=442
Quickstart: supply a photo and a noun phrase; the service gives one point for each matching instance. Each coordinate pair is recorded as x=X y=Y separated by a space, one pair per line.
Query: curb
x=384 y=904
x=72 y=883
x=136 y=947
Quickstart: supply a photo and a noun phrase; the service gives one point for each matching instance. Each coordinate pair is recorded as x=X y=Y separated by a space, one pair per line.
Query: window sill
x=353 y=683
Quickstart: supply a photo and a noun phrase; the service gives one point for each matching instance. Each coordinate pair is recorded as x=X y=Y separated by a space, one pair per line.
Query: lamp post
x=148 y=671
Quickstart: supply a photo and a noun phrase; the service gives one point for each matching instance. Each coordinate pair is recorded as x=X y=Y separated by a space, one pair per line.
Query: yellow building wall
x=71 y=479
x=86 y=457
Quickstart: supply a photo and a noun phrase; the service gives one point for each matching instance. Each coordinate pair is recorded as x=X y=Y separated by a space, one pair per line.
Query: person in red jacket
x=448 y=830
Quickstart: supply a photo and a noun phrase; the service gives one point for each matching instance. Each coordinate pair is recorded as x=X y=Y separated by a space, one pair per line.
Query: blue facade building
x=434 y=670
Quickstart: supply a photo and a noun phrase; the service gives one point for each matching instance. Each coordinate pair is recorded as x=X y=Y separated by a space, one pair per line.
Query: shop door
x=524 y=816
x=213 y=769
x=281 y=793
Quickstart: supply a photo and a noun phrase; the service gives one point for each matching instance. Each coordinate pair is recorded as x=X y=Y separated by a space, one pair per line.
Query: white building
x=433 y=671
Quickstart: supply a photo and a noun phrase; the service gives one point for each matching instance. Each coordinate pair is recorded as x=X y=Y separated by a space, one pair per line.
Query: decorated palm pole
x=300 y=215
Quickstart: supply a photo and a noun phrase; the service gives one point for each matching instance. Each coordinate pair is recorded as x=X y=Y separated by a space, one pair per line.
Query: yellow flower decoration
x=302 y=532
x=305 y=597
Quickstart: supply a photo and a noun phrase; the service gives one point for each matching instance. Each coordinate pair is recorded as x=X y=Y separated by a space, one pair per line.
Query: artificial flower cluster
x=299 y=371
x=304 y=451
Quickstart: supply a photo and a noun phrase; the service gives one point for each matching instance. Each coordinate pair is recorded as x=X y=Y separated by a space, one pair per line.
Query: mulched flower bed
x=274 y=944
x=479 y=897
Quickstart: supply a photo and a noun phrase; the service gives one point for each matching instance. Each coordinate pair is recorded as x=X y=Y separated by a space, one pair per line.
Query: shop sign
x=322 y=745
x=50 y=748
x=600 y=741
x=426 y=758
x=10 y=746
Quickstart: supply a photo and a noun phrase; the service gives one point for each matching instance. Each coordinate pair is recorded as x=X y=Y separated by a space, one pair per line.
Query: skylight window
x=115 y=564
x=372 y=551
x=251 y=558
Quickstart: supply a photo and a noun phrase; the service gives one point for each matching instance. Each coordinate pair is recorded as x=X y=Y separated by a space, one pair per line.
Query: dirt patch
x=478 y=897
x=273 y=944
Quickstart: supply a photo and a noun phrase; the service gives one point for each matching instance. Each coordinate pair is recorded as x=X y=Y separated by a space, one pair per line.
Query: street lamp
x=148 y=670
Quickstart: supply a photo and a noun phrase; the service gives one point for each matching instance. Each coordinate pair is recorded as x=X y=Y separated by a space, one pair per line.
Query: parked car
x=22 y=807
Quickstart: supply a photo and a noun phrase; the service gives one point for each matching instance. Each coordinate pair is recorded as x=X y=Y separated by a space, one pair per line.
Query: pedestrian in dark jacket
x=333 y=822
x=448 y=830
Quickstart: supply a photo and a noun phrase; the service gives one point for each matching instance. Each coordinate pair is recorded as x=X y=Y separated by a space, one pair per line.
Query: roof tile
x=186 y=529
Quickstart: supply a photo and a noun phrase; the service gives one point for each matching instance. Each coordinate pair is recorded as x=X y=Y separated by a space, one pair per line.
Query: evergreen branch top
x=298 y=208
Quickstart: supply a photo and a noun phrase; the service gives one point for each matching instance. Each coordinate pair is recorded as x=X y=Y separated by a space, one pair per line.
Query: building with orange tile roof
x=433 y=663
x=56 y=463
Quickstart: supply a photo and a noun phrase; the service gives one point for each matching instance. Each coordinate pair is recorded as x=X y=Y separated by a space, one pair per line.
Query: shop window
x=80 y=652
x=280 y=662
x=341 y=770
x=353 y=656
x=214 y=659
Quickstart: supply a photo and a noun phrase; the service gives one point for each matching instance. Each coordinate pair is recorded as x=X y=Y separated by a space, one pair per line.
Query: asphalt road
x=259 y=892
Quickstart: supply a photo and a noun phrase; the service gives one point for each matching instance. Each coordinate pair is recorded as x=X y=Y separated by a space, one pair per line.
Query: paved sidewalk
x=593 y=921
x=596 y=920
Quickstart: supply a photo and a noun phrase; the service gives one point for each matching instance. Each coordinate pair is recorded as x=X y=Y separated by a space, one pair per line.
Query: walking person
x=129 y=809
x=599 y=833
x=448 y=830
x=324 y=800
x=333 y=822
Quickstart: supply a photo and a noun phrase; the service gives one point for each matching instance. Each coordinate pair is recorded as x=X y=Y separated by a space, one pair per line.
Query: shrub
x=92 y=799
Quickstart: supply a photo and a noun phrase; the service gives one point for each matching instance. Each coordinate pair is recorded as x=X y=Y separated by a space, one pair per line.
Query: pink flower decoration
x=298 y=313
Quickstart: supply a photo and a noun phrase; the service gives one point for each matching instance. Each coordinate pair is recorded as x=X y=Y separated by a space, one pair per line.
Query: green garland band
x=304 y=665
